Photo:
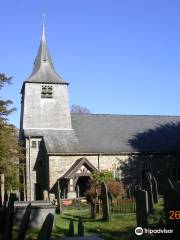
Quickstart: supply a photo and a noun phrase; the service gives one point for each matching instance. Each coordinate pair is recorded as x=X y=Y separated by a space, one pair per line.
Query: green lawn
x=120 y=227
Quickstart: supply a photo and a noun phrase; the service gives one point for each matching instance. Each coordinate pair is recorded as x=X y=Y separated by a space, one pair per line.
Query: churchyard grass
x=120 y=227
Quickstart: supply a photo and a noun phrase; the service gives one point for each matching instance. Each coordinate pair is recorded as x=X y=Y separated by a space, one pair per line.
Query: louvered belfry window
x=46 y=91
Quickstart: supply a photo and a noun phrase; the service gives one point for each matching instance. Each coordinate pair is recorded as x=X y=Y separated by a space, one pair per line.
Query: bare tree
x=79 y=109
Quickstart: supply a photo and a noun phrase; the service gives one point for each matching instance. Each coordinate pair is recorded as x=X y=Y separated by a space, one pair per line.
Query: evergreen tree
x=10 y=150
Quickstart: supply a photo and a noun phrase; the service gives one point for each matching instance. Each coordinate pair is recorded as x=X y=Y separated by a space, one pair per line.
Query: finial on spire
x=43 y=26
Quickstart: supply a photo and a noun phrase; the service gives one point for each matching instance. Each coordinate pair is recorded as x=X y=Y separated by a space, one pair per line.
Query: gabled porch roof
x=77 y=166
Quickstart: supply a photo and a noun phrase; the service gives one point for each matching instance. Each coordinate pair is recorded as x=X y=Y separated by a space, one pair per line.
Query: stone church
x=64 y=147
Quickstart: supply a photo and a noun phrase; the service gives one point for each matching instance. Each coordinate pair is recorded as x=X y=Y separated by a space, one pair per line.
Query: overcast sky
x=119 y=56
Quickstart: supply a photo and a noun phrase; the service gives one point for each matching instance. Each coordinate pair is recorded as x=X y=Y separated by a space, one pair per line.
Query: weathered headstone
x=2 y=192
x=71 y=228
x=147 y=186
x=24 y=223
x=154 y=189
x=80 y=227
x=45 y=195
x=46 y=228
x=9 y=218
x=52 y=197
x=141 y=208
x=105 y=201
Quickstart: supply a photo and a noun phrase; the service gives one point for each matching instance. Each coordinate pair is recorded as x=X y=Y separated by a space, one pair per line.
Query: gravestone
x=46 y=228
x=52 y=198
x=71 y=228
x=147 y=186
x=9 y=214
x=45 y=195
x=141 y=208
x=24 y=223
x=105 y=201
x=80 y=227
x=154 y=189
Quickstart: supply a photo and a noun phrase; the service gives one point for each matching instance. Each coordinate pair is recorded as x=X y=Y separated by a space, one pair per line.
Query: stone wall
x=53 y=167
x=131 y=164
x=46 y=112
x=34 y=161
x=58 y=165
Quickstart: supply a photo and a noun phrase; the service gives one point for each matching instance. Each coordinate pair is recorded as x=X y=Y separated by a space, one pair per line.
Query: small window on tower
x=46 y=91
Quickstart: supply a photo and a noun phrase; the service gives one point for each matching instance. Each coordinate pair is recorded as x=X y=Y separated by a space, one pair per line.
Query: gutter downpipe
x=30 y=167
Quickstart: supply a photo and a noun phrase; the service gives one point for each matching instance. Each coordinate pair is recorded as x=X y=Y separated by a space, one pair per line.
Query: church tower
x=45 y=102
x=44 y=109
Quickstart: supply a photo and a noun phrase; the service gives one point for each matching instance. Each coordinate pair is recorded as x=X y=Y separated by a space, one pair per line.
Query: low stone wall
x=40 y=210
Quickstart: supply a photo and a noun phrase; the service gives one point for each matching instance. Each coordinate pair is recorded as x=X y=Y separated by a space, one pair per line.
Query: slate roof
x=43 y=71
x=56 y=141
x=113 y=134
x=108 y=133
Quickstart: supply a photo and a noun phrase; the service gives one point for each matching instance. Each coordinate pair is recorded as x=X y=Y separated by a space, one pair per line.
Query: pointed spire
x=43 y=28
x=43 y=57
x=43 y=66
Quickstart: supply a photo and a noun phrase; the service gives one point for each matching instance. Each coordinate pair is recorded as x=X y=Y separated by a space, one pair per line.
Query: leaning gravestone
x=46 y=228
x=154 y=189
x=9 y=217
x=141 y=207
x=105 y=201
x=24 y=223
x=147 y=186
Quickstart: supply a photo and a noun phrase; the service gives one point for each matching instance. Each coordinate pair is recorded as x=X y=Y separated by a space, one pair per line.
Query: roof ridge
x=123 y=115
